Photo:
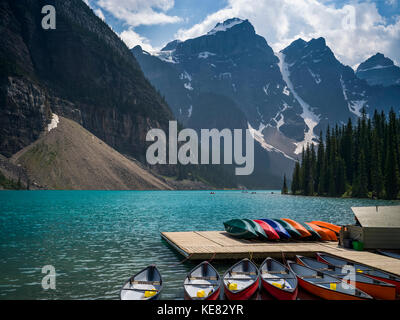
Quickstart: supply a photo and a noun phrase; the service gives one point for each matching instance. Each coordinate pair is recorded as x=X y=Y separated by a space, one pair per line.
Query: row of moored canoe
x=282 y=229
x=324 y=277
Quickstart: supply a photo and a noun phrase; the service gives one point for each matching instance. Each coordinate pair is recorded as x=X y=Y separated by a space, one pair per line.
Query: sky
x=353 y=29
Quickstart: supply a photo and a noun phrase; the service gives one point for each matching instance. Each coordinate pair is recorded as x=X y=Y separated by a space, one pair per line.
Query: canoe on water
x=289 y=228
x=326 y=234
x=303 y=231
x=280 y=230
x=269 y=231
x=278 y=280
x=202 y=283
x=390 y=254
x=239 y=228
x=324 y=285
x=241 y=281
x=328 y=225
x=362 y=268
x=145 y=285
x=375 y=288
x=257 y=228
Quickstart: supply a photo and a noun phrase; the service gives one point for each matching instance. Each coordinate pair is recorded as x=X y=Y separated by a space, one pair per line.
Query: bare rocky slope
x=70 y=157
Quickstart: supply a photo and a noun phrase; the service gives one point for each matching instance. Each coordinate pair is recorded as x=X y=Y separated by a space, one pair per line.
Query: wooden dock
x=218 y=245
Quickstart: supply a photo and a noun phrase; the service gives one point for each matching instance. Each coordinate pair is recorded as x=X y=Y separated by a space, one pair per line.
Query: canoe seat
x=203 y=278
x=206 y=285
x=311 y=277
x=275 y=272
x=239 y=279
x=154 y=283
x=277 y=278
x=141 y=290
x=327 y=282
x=243 y=272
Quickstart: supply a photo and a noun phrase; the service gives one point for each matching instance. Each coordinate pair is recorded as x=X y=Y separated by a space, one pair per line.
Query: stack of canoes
x=327 y=277
x=282 y=229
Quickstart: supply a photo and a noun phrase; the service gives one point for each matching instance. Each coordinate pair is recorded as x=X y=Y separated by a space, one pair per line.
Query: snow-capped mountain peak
x=379 y=70
x=226 y=25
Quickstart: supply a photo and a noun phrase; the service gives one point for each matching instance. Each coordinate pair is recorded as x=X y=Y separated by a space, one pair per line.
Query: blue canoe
x=283 y=234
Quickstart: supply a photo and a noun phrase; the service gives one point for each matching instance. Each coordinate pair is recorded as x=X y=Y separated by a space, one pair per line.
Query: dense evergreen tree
x=359 y=161
x=284 y=188
x=296 y=178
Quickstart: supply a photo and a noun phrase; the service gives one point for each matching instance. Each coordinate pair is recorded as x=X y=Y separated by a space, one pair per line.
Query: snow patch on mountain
x=265 y=88
x=317 y=77
x=220 y=27
x=355 y=106
x=375 y=67
x=54 y=122
x=205 y=54
x=309 y=117
x=188 y=86
x=259 y=137
x=286 y=91
x=167 y=56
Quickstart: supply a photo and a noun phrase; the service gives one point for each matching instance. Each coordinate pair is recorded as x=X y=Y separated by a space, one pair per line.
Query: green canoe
x=257 y=228
x=239 y=228
x=289 y=228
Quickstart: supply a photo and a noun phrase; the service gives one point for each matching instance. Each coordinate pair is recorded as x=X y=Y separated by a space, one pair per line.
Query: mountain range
x=285 y=98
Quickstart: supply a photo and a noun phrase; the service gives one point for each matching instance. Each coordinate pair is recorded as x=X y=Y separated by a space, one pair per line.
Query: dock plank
x=205 y=245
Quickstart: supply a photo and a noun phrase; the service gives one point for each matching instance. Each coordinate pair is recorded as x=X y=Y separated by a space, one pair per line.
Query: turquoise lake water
x=97 y=239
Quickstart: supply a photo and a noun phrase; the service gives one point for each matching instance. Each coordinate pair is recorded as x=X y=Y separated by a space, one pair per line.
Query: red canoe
x=362 y=268
x=324 y=285
x=269 y=231
x=202 y=283
x=303 y=231
x=278 y=280
x=241 y=281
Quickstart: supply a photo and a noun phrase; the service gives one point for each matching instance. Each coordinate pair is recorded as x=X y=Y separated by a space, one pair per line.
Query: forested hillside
x=359 y=160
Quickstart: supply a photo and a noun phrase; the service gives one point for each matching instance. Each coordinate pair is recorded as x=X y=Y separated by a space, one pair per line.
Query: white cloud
x=100 y=14
x=131 y=39
x=140 y=12
x=282 y=21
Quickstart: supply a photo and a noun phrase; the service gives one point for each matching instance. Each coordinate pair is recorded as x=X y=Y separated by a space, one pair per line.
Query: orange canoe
x=303 y=231
x=324 y=236
x=328 y=225
x=324 y=285
x=329 y=234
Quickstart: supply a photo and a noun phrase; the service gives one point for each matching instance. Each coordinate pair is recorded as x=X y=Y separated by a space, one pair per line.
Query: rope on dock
x=251 y=256
x=212 y=258
x=184 y=260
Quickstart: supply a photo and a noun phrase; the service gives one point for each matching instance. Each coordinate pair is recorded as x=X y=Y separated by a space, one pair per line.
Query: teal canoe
x=289 y=228
x=314 y=235
x=257 y=228
x=239 y=228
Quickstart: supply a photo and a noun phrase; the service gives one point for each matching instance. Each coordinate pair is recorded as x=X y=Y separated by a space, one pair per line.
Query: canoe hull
x=240 y=229
x=328 y=225
x=269 y=231
x=394 y=282
x=214 y=296
x=325 y=293
x=279 y=293
x=245 y=294
x=387 y=280
x=298 y=227
x=375 y=290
